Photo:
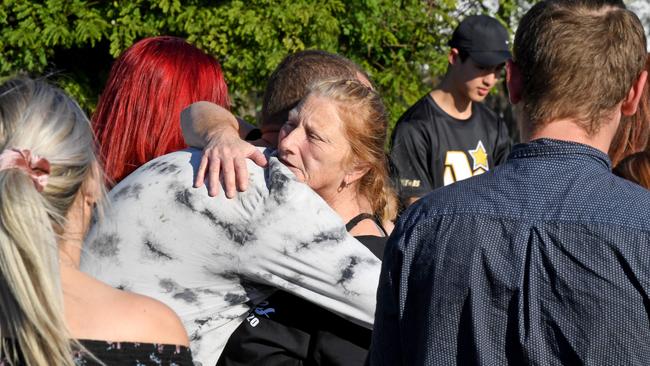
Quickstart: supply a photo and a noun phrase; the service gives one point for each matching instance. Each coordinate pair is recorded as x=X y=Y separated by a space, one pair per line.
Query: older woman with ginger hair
x=333 y=141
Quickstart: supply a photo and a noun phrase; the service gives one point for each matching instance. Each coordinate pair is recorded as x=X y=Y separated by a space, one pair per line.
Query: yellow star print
x=480 y=156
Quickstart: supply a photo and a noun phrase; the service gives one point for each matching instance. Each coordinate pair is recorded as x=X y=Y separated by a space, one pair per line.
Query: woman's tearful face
x=313 y=145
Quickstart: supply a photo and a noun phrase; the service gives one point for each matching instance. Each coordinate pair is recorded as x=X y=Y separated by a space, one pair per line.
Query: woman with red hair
x=138 y=115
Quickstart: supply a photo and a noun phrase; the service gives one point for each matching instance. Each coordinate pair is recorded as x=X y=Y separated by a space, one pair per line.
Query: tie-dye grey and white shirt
x=210 y=258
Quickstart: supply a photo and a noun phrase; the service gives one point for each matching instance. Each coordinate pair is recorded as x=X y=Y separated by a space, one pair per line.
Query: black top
x=287 y=330
x=431 y=149
x=129 y=354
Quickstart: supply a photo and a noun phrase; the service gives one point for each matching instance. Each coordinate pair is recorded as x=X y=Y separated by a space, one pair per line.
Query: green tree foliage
x=402 y=43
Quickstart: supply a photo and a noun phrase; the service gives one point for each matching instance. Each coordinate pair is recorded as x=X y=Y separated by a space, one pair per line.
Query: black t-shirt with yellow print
x=431 y=149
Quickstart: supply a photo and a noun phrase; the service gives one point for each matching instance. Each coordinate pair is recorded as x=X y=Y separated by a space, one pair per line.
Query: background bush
x=402 y=44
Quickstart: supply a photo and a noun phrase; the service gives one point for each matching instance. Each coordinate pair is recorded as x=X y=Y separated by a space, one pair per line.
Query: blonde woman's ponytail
x=41 y=119
x=31 y=307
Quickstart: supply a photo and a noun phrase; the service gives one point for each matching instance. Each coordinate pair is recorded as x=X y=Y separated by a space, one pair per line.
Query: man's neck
x=570 y=130
x=451 y=100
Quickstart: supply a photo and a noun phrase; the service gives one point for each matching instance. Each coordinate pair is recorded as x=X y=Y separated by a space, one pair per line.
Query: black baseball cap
x=483 y=38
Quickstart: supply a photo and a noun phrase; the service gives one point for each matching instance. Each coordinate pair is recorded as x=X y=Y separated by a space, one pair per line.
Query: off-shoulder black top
x=128 y=354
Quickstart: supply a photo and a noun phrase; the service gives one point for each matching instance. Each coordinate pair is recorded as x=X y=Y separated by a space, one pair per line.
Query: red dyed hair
x=138 y=114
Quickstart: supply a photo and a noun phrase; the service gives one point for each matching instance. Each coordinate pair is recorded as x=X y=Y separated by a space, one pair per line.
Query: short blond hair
x=578 y=59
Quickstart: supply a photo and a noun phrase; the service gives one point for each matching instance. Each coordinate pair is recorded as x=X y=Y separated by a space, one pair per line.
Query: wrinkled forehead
x=319 y=113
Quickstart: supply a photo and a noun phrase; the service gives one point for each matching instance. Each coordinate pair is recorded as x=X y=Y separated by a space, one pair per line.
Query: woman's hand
x=225 y=154
x=213 y=128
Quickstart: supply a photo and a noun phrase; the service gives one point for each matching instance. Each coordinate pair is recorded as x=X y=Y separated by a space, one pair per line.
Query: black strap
x=364 y=216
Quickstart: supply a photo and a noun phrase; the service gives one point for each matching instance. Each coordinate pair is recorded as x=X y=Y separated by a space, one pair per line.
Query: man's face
x=474 y=80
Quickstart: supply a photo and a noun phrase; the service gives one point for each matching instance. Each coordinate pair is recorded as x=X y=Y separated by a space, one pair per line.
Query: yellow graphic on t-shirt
x=457 y=165
x=480 y=157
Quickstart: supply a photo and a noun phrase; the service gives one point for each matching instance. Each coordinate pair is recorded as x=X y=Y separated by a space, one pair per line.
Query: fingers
x=241 y=172
x=226 y=165
x=200 y=173
x=213 y=177
x=228 y=174
x=258 y=158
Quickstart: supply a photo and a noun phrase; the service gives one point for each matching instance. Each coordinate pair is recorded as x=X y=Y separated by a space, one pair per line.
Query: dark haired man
x=449 y=135
x=543 y=261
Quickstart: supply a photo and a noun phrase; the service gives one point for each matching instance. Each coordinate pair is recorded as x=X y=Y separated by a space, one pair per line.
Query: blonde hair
x=40 y=118
x=364 y=124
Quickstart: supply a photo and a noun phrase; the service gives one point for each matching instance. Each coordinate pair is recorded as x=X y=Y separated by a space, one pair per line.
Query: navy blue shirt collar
x=551 y=147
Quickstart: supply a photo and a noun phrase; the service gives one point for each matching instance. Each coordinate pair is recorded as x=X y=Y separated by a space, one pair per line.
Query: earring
x=342 y=186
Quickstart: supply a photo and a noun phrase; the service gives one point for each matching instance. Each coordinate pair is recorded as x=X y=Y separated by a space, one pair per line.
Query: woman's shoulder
x=105 y=313
x=371 y=232
x=149 y=320
x=366 y=224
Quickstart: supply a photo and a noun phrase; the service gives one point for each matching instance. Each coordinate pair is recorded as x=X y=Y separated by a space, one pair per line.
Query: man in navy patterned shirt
x=544 y=260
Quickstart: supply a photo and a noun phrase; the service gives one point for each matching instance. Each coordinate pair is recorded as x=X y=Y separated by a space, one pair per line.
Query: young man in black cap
x=449 y=135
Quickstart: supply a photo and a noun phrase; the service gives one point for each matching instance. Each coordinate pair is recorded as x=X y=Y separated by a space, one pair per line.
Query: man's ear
x=356 y=173
x=453 y=56
x=631 y=102
x=515 y=81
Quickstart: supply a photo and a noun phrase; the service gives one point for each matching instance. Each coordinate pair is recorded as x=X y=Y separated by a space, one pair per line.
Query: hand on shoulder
x=225 y=155
x=213 y=128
